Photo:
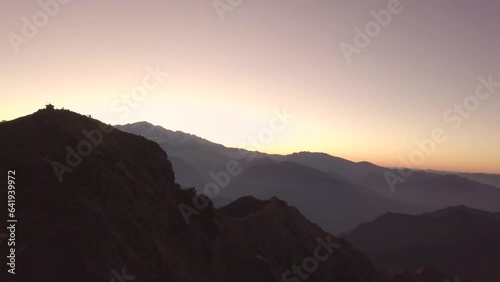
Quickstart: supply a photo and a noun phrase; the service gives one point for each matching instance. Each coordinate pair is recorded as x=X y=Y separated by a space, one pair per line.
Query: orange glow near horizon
x=228 y=77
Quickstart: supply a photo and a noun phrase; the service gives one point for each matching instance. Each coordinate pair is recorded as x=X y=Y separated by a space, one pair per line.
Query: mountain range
x=99 y=204
x=456 y=240
x=341 y=194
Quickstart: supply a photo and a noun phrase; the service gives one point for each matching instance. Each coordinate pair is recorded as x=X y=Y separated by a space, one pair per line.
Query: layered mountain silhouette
x=485 y=178
x=341 y=194
x=329 y=201
x=457 y=240
x=421 y=188
x=99 y=204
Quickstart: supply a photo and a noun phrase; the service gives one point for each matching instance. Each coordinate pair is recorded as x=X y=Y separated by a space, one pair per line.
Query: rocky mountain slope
x=97 y=204
x=344 y=194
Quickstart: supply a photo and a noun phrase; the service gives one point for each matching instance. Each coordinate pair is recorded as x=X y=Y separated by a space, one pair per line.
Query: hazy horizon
x=251 y=140
x=227 y=77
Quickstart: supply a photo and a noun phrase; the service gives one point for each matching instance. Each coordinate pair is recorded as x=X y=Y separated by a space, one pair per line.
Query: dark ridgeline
x=340 y=194
x=118 y=207
x=456 y=240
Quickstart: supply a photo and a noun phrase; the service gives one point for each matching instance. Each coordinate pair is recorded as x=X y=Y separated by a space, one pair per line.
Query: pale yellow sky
x=227 y=76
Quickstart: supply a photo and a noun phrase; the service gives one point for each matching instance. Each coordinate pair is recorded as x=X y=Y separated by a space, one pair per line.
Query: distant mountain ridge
x=457 y=240
x=116 y=211
x=194 y=160
x=327 y=200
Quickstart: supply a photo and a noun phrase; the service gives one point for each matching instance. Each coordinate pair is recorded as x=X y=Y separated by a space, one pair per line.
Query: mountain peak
x=119 y=207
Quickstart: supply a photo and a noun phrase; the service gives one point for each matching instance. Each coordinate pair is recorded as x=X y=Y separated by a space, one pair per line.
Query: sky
x=364 y=80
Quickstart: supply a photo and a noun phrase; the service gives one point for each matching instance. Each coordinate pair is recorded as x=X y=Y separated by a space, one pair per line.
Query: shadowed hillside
x=116 y=211
x=454 y=240
x=340 y=194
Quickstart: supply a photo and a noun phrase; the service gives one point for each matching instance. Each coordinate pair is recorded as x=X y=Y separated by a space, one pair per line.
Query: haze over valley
x=233 y=140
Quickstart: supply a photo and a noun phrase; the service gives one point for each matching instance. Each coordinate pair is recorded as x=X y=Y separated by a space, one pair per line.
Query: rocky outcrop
x=97 y=204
